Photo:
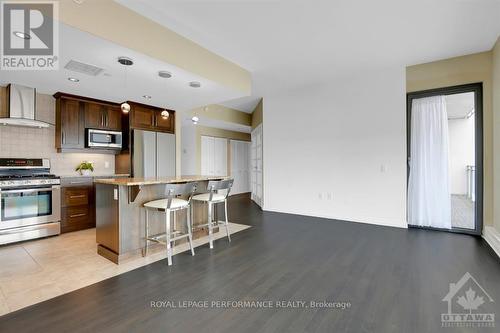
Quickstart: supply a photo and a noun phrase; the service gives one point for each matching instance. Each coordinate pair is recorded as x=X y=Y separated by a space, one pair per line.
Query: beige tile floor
x=38 y=270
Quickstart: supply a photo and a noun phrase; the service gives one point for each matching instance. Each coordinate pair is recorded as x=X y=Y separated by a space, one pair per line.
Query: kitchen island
x=120 y=216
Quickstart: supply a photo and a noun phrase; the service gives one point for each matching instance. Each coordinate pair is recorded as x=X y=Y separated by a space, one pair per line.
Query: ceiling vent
x=83 y=68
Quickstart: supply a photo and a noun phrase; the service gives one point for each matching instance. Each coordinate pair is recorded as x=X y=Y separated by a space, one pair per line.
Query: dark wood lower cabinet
x=77 y=204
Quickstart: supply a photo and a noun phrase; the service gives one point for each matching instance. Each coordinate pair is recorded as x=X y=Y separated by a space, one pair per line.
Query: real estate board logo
x=468 y=305
x=30 y=35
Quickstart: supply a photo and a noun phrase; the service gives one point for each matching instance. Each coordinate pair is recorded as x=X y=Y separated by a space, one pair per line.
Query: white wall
x=347 y=137
x=461 y=134
x=188 y=148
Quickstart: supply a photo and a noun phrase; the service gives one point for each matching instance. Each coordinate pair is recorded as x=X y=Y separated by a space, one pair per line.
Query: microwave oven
x=104 y=139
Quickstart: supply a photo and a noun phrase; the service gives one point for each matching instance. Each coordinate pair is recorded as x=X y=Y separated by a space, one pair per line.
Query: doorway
x=256 y=156
x=445 y=159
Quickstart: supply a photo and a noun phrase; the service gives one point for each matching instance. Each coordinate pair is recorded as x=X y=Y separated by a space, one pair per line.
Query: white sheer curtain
x=429 y=200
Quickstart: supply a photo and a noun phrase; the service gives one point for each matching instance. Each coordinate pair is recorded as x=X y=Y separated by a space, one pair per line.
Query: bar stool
x=211 y=198
x=168 y=205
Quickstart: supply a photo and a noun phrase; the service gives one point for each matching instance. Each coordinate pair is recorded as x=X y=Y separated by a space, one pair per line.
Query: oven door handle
x=30 y=190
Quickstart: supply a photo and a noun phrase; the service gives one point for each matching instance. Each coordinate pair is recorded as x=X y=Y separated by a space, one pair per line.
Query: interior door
x=240 y=166
x=207 y=158
x=165 y=155
x=220 y=156
x=256 y=165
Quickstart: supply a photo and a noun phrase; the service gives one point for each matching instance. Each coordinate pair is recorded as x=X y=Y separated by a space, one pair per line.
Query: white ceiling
x=459 y=105
x=142 y=77
x=244 y=104
x=287 y=43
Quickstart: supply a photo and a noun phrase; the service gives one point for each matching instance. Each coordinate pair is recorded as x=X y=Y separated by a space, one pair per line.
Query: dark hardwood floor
x=395 y=280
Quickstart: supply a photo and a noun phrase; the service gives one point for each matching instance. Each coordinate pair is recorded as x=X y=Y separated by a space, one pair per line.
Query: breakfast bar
x=120 y=214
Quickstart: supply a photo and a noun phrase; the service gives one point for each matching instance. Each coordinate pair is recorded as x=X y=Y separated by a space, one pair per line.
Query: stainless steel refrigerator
x=153 y=154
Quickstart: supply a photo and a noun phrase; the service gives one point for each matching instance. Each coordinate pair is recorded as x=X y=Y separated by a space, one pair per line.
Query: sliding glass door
x=445 y=155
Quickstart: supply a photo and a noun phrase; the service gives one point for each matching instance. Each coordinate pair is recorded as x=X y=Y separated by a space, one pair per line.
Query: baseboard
x=492 y=237
x=391 y=224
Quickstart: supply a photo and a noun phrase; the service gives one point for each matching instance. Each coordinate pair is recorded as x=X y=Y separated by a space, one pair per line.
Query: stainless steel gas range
x=30 y=200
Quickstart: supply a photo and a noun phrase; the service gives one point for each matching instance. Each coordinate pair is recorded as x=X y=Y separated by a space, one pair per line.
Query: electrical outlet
x=329 y=196
x=383 y=168
x=106 y=165
x=320 y=196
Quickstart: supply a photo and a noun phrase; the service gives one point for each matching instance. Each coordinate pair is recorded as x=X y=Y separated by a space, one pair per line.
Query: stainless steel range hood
x=21 y=103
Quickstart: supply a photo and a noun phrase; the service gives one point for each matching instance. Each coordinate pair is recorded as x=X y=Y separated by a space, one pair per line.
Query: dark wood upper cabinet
x=75 y=114
x=94 y=117
x=141 y=116
x=149 y=118
x=70 y=130
x=113 y=116
x=102 y=116
x=165 y=124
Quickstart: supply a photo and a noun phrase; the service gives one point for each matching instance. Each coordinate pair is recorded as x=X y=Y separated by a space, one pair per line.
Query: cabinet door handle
x=102 y=118
x=82 y=182
x=77 y=196
x=78 y=215
x=63 y=137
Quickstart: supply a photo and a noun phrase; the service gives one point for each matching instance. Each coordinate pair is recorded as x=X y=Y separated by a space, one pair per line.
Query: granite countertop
x=155 y=181
x=76 y=175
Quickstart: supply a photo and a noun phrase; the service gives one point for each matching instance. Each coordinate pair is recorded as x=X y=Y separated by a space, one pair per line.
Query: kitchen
x=63 y=132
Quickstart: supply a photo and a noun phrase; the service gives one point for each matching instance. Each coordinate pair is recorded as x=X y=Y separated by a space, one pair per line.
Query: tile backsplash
x=27 y=142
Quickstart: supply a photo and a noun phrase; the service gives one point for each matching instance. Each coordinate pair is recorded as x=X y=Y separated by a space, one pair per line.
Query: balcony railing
x=471 y=182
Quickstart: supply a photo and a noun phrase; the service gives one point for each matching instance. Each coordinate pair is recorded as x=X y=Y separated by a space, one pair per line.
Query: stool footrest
x=157 y=239
x=215 y=224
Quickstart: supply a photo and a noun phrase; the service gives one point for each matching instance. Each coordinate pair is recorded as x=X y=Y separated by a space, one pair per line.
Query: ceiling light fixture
x=21 y=35
x=146 y=96
x=194 y=84
x=164 y=114
x=195 y=120
x=73 y=79
x=125 y=61
x=165 y=74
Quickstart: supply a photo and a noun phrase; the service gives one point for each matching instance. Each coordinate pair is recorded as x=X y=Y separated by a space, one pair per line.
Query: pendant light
x=125 y=61
x=165 y=75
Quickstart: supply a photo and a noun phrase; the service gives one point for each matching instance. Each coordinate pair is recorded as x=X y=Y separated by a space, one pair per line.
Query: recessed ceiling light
x=21 y=35
x=146 y=96
x=195 y=120
x=194 y=84
x=125 y=61
x=73 y=79
x=165 y=74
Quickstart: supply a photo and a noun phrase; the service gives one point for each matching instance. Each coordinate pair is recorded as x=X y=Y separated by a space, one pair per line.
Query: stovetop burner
x=28 y=176
x=26 y=172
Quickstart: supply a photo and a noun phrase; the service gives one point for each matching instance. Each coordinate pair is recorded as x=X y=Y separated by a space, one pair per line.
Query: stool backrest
x=215 y=185
x=173 y=190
